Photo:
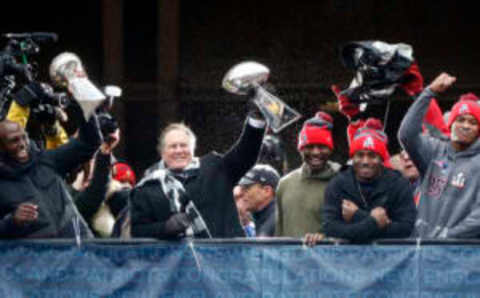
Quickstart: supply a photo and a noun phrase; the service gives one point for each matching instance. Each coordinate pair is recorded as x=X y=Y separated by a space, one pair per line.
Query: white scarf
x=175 y=192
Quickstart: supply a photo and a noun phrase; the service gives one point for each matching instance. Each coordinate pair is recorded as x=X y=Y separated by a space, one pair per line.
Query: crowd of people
x=74 y=187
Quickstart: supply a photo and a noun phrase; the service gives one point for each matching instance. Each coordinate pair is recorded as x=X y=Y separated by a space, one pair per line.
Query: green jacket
x=300 y=197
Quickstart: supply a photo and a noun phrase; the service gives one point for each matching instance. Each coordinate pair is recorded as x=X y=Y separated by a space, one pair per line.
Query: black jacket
x=265 y=220
x=41 y=182
x=211 y=190
x=390 y=191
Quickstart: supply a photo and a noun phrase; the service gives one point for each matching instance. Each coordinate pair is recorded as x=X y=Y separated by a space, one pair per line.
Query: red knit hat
x=316 y=130
x=371 y=137
x=123 y=173
x=467 y=104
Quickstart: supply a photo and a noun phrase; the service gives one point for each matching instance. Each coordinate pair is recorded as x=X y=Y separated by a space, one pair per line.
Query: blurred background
x=169 y=57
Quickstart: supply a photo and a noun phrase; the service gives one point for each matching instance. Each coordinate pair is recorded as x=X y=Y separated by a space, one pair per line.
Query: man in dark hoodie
x=34 y=201
x=368 y=200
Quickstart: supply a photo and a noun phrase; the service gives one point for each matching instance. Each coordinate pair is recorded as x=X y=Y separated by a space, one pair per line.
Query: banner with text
x=44 y=269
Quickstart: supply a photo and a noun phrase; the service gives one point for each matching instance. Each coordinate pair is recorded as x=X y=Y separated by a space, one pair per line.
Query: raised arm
x=92 y=197
x=243 y=155
x=419 y=147
x=77 y=151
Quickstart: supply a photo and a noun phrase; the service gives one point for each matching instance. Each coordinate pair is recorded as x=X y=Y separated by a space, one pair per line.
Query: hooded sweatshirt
x=450 y=188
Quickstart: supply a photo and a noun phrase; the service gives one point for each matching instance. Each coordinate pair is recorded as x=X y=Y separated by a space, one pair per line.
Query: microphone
x=45 y=36
x=37 y=36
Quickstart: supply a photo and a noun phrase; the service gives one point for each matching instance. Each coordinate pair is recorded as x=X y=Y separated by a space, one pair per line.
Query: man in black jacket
x=185 y=195
x=34 y=201
x=369 y=201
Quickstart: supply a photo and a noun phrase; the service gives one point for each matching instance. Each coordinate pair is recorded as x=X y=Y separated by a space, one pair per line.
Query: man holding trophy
x=184 y=195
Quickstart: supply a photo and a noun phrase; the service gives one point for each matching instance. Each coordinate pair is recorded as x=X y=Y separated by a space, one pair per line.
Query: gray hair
x=177 y=126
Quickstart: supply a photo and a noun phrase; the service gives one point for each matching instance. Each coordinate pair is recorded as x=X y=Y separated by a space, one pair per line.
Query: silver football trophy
x=244 y=77
x=66 y=70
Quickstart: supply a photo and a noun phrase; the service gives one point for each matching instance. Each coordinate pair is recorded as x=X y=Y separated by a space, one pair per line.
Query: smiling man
x=300 y=193
x=34 y=201
x=368 y=201
x=184 y=195
x=450 y=203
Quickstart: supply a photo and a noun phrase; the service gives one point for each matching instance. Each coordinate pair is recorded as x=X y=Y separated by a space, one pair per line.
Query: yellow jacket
x=20 y=114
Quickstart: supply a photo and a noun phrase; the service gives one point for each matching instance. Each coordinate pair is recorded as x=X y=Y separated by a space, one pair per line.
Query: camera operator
x=9 y=67
x=10 y=72
x=45 y=111
x=19 y=46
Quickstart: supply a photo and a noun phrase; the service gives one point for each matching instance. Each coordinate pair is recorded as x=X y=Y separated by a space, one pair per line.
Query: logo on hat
x=250 y=175
x=368 y=143
x=464 y=109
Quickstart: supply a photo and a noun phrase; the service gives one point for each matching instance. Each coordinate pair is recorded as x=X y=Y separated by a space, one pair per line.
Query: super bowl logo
x=463 y=109
x=368 y=143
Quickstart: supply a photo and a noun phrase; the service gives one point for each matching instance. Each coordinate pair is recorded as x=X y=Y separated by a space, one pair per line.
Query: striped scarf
x=174 y=191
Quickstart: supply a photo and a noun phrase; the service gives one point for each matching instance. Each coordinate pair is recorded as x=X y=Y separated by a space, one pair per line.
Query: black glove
x=108 y=125
x=177 y=224
x=45 y=114
x=30 y=94
x=253 y=111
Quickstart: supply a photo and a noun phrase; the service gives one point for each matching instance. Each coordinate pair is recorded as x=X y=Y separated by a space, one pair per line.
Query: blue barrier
x=237 y=269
